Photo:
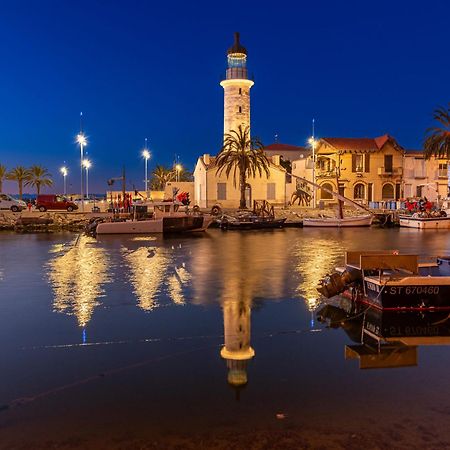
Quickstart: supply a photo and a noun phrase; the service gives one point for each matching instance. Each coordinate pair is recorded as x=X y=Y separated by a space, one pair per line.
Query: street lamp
x=87 y=165
x=64 y=172
x=146 y=155
x=178 y=169
x=312 y=142
x=82 y=141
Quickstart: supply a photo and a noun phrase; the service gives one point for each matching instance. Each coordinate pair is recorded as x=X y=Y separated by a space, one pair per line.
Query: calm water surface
x=201 y=342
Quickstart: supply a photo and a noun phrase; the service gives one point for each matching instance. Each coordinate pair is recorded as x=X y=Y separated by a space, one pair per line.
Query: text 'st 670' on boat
x=391 y=281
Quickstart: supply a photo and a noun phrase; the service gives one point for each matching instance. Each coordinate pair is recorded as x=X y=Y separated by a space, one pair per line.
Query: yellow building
x=211 y=189
x=362 y=169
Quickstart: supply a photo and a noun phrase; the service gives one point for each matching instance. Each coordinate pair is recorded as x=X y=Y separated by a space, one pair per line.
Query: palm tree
x=39 y=176
x=437 y=141
x=244 y=156
x=160 y=176
x=19 y=174
x=2 y=176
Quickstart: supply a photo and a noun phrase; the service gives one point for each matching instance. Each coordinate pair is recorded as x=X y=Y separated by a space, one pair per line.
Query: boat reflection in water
x=78 y=274
x=386 y=339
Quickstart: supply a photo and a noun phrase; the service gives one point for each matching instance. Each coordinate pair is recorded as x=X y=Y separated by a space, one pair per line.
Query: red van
x=44 y=202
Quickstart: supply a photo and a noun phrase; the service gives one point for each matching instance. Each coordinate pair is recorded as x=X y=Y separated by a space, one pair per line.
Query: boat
x=251 y=222
x=391 y=281
x=165 y=218
x=356 y=221
x=425 y=221
x=339 y=221
x=386 y=339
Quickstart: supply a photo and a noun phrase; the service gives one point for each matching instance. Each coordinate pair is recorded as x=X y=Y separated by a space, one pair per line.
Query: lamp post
x=178 y=169
x=87 y=165
x=146 y=155
x=82 y=141
x=312 y=143
x=64 y=172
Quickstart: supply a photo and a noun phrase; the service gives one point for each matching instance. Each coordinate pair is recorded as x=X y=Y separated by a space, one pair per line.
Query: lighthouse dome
x=237 y=47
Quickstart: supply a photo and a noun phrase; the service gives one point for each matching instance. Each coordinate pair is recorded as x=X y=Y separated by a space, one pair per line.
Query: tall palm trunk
x=243 y=184
x=20 y=183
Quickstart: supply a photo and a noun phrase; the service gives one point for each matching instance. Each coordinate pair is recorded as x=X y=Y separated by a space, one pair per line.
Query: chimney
x=276 y=159
x=206 y=159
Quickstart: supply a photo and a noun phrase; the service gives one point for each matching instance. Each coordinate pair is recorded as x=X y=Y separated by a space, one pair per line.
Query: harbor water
x=208 y=341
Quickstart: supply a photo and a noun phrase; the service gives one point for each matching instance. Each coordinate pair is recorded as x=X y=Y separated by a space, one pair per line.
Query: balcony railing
x=442 y=173
x=393 y=172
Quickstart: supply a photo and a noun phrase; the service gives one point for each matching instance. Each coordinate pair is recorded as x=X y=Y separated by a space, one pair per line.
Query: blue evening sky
x=152 y=69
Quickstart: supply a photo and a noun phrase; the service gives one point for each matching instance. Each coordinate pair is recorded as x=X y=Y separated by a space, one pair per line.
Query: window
x=419 y=190
x=359 y=191
x=388 y=164
x=271 y=191
x=221 y=191
x=324 y=195
x=443 y=170
x=240 y=109
x=387 y=192
x=240 y=91
x=357 y=163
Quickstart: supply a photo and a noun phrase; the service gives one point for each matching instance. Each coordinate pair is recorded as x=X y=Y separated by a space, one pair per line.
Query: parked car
x=7 y=202
x=45 y=202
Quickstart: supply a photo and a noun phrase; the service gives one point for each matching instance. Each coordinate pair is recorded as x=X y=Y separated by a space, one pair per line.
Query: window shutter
x=221 y=191
x=271 y=191
x=367 y=162
x=353 y=162
x=369 y=192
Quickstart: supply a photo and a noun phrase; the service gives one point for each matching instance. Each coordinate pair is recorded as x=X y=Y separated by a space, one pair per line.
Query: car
x=45 y=202
x=7 y=202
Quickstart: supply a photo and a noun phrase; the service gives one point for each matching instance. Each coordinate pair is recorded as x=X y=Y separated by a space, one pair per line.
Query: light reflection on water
x=77 y=274
x=247 y=302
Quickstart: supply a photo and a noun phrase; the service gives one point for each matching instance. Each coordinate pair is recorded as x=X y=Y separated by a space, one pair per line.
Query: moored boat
x=356 y=221
x=166 y=218
x=250 y=223
x=390 y=281
x=425 y=223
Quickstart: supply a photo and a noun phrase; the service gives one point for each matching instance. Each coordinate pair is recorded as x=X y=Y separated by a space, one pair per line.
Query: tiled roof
x=359 y=144
x=409 y=151
x=285 y=147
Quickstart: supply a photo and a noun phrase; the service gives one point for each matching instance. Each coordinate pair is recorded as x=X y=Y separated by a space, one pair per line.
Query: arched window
x=359 y=192
x=387 y=192
x=324 y=195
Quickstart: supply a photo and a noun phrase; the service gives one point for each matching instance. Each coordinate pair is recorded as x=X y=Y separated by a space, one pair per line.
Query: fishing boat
x=339 y=221
x=250 y=223
x=165 y=218
x=425 y=221
x=386 y=339
x=391 y=281
x=356 y=221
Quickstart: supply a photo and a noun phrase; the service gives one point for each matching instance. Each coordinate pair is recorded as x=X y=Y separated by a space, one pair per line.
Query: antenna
x=81 y=122
x=145 y=145
x=276 y=138
x=313 y=126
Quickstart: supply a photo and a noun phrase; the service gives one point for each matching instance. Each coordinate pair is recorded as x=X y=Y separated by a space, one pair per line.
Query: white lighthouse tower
x=236 y=88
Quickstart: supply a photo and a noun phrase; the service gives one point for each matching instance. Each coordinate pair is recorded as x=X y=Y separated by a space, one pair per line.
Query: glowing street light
x=178 y=168
x=312 y=142
x=64 y=172
x=87 y=165
x=146 y=155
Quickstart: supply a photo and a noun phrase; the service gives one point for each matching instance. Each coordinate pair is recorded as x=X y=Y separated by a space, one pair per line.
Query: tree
x=160 y=176
x=19 y=174
x=3 y=173
x=244 y=157
x=39 y=177
x=437 y=140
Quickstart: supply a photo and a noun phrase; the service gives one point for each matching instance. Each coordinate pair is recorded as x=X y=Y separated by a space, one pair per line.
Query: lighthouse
x=236 y=88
